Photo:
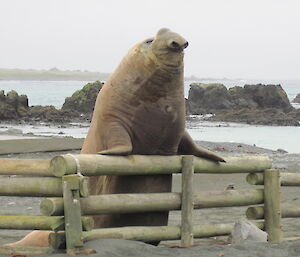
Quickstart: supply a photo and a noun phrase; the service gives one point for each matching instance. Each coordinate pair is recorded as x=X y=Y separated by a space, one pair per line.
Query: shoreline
x=270 y=137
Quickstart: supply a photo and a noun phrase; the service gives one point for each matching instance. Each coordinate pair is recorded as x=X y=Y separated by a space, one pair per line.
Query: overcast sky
x=227 y=38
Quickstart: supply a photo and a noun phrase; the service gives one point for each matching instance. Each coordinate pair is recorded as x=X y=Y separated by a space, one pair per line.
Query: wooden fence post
x=272 y=209
x=187 y=204
x=72 y=212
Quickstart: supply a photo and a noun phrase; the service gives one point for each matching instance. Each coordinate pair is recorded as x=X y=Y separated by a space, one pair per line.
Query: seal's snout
x=186 y=44
x=177 y=45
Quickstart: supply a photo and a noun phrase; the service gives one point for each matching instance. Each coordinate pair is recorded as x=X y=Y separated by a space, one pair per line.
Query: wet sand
x=209 y=247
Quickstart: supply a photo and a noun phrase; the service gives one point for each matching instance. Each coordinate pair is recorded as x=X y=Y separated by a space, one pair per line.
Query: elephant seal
x=140 y=110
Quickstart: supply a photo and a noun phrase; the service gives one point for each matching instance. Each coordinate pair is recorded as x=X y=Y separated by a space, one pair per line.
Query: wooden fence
x=65 y=180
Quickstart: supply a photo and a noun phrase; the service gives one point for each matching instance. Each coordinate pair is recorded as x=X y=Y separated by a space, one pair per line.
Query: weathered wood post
x=272 y=209
x=187 y=205
x=72 y=212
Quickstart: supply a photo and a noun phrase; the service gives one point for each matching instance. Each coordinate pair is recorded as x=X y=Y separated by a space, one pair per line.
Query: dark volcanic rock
x=209 y=98
x=12 y=106
x=50 y=114
x=252 y=104
x=205 y=98
x=83 y=100
x=268 y=116
x=76 y=108
x=267 y=96
x=297 y=99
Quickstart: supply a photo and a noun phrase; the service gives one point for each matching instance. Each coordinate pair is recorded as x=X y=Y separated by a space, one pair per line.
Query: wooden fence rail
x=129 y=203
x=36 y=186
x=41 y=223
x=97 y=165
x=26 y=167
x=287 y=211
x=148 y=234
x=286 y=179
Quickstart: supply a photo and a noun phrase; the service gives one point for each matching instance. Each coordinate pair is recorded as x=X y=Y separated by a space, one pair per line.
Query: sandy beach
x=209 y=247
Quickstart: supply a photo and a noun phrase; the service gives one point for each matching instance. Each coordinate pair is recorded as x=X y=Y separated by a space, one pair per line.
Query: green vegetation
x=52 y=74
x=83 y=100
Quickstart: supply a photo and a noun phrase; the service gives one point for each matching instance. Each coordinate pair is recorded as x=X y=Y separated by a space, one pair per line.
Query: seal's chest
x=163 y=113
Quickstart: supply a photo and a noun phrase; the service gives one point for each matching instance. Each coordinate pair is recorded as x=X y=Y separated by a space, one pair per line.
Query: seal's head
x=167 y=47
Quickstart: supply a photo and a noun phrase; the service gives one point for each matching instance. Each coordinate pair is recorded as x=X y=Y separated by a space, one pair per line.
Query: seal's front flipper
x=188 y=146
x=117 y=150
x=117 y=140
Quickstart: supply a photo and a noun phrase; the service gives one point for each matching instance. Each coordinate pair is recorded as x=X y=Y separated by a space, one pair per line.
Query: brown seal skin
x=139 y=110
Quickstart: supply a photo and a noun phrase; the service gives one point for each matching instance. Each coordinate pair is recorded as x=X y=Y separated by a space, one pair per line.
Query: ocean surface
x=55 y=92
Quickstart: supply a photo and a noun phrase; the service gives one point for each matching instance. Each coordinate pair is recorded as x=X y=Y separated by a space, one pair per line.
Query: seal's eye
x=149 y=41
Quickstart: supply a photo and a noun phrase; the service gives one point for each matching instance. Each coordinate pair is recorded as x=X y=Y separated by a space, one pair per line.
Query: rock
x=12 y=106
x=23 y=100
x=206 y=98
x=297 y=99
x=267 y=96
x=187 y=107
x=269 y=116
x=252 y=104
x=51 y=114
x=2 y=95
x=279 y=150
x=12 y=98
x=7 y=112
x=209 y=98
x=244 y=230
x=83 y=100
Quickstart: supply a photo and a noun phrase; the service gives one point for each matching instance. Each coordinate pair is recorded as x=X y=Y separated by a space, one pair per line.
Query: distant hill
x=52 y=74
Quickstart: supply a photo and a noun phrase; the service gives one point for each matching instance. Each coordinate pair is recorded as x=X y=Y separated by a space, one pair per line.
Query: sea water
x=55 y=92
x=43 y=92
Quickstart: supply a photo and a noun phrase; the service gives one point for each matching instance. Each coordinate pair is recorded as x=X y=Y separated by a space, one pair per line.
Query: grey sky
x=228 y=38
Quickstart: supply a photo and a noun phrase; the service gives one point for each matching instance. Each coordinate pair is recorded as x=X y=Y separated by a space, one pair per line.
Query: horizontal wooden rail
x=40 y=223
x=131 y=203
x=25 y=167
x=92 y=165
x=286 y=179
x=37 y=186
x=148 y=234
x=287 y=211
x=30 y=186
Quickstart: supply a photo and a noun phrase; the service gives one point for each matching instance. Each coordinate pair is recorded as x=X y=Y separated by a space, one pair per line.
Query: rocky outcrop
x=78 y=107
x=210 y=98
x=206 y=98
x=297 y=99
x=267 y=116
x=83 y=100
x=50 y=114
x=12 y=106
x=252 y=104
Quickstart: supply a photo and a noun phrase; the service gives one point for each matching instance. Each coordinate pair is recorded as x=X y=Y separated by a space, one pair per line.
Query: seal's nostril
x=174 y=44
x=185 y=45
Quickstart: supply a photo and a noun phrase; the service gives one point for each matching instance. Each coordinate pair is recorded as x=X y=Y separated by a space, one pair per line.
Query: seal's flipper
x=118 y=141
x=117 y=150
x=188 y=146
x=37 y=238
